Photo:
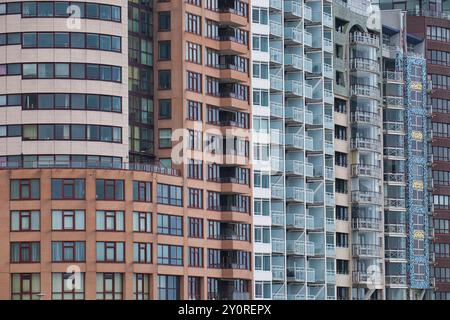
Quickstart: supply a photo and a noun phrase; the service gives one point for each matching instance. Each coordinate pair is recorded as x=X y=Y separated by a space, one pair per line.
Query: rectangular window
x=169 y=287
x=25 y=286
x=195 y=257
x=164 y=79
x=194 y=81
x=170 y=255
x=67 y=286
x=195 y=227
x=262 y=261
x=68 y=220
x=141 y=286
x=341 y=240
x=170 y=195
x=165 y=109
x=109 y=286
x=193 y=52
x=195 y=169
x=195 y=198
x=164 y=21
x=341 y=213
x=25 y=189
x=193 y=23
x=25 y=252
x=142 y=222
x=340 y=159
x=194 y=110
x=110 y=220
x=169 y=224
x=142 y=191
x=142 y=252
x=109 y=189
x=110 y=251
x=25 y=221
x=341 y=186
x=165 y=138
x=68 y=189
x=68 y=251
x=194 y=288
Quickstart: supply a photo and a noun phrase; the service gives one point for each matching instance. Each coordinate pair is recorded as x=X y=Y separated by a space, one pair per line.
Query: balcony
x=277 y=218
x=393 y=76
x=329 y=173
x=365 y=144
x=394 y=203
x=329 y=199
x=327 y=20
x=276 y=30
x=276 y=56
x=294 y=141
x=365 y=91
x=363 y=64
x=295 y=167
x=307 y=39
x=394 y=102
x=365 y=39
x=395 y=254
x=295 y=194
x=328 y=96
x=276 y=164
x=328 y=71
x=309 y=169
x=276 y=83
x=331 y=276
x=330 y=250
x=309 y=196
x=307 y=65
x=362 y=116
x=395 y=228
x=363 y=277
x=296 y=114
x=329 y=148
x=365 y=223
x=293 y=88
x=308 y=91
x=292 y=9
x=293 y=61
x=295 y=221
x=276 y=137
x=366 y=170
x=328 y=122
x=367 y=197
x=278 y=273
x=396 y=152
x=394 y=127
x=293 y=35
x=307 y=14
x=276 y=110
x=296 y=247
x=330 y=225
x=328 y=45
x=398 y=281
x=278 y=246
x=366 y=250
x=277 y=192
x=309 y=143
x=296 y=274
x=394 y=177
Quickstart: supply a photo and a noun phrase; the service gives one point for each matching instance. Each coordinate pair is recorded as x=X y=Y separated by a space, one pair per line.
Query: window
x=195 y=198
x=68 y=189
x=164 y=21
x=341 y=213
x=261 y=179
x=171 y=225
x=195 y=227
x=109 y=220
x=109 y=189
x=142 y=222
x=165 y=109
x=260 y=70
x=194 y=110
x=169 y=194
x=261 y=207
x=25 y=189
x=262 y=261
x=194 y=81
x=441 y=250
x=260 y=15
x=195 y=257
x=340 y=159
x=169 y=287
x=340 y=132
x=25 y=286
x=195 y=169
x=262 y=234
x=68 y=220
x=263 y=290
x=25 y=220
x=341 y=186
x=260 y=42
x=67 y=286
x=343 y=293
x=109 y=286
x=68 y=251
x=110 y=251
x=25 y=252
x=142 y=252
x=193 y=23
x=341 y=240
x=342 y=266
x=193 y=52
x=194 y=288
x=142 y=191
x=164 y=79
x=165 y=138
x=141 y=286
x=441 y=226
x=170 y=255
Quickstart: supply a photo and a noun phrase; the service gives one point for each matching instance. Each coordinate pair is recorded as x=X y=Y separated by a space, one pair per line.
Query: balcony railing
x=295 y=167
x=364 y=38
x=309 y=196
x=276 y=55
x=293 y=8
x=328 y=71
x=327 y=19
x=276 y=136
x=331 y=250
x=276 y=29
x=329 y=148
x=399 y=228
x=398 y=127
x=396 y=102
x=366 y=250
x=396 y=280
x=363 y=64
x=328 y=96
x=293 y=60
x=276 y=109
x=296 y=274
x=293 y=34
x=328 y=45
x=294 y=140
x=278 y=273
x=330 y=224
x=276 y=164
x=397 y=177
x=394 y=152
x=329 y=173
x=367 y=170
x=395 y=254
x=307 y=38
x=307 y=12
x=359 y=223
x=276 y=82
x=295 y=114
x=278 y=245
x=329 y=198
x=296 y=247
x=277 y=218
x=362 y=277
x=366 y=197
x=395 y=76
x=394 y=203
x=307 y=65
x=296 y=221
x=293 y=87
x=277 y=192
x=365 y=91
x=365 y=143
x=276 y=4
x=365 y=117
x=295 y=194
x=308 y=91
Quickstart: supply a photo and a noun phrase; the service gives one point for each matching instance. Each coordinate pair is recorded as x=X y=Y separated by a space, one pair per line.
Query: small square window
x=164 y=50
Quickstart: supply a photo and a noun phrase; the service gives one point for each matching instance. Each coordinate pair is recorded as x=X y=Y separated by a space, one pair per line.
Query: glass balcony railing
x=296 y=247
x=365 y=144
x=309 y=196
x=293 y=60
x=294 y=140
x=309 y=169
x=276 y=29
x=295 y=114
x=295 y=194
x=397 y=152
x=360 y=223
x=329 y=148
x=293 y=34
x=366 y=170
x=276 y=55
x=307 y=39
x=296 y=221
x=364 y=38
x=276 y=83
x=307 y=14
x=328 y=45
x=276 y=136
x=363 y=64
x=328 y=96
x=329 y=199
x=276 y=109
x=328 y=122
x=277 y=192
x=330 y=224
x=278 y=273
x=370 y=197
x=308 y=65
x=293 y=87
x=366 y=250
x=364 y=116
x=295 y=167
x=398 y=228
x=278 y=246
x=293 y=9
x=331 y=276
x=309 y=143
x=276 y=164
x=296 y=274
x=363 y=277
x=327 y=20
x=276 y=4
x=308 y=91
x=277 y=218
x=328 y=71
x=331 y=250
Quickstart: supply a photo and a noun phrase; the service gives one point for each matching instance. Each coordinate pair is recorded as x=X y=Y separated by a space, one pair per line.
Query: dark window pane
x=77 y=70
x=29 y=40
x=45 y=40
x=61 y=40
x=77 y=40
x=78 y=132
x=45 y=9
x=92 y=102
x=45 y=101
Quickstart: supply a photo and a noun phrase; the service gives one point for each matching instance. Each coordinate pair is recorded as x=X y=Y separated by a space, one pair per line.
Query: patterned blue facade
x=417 y=174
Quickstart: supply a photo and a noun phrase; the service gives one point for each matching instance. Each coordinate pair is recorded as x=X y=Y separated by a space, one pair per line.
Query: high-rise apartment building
x=293 y=149
x=86 y=214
